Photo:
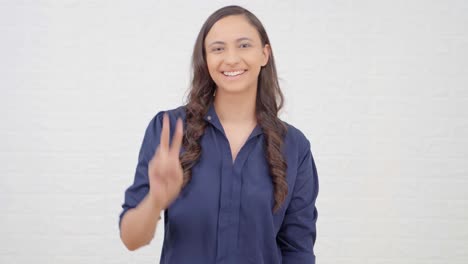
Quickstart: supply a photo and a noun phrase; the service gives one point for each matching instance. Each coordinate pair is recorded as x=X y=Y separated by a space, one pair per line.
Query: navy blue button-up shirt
x=224 y=214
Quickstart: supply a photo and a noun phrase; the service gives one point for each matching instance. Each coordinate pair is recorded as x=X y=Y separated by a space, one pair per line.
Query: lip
x=234 y=77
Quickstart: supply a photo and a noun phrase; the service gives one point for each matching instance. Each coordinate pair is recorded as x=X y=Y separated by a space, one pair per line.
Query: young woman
x=236 y=184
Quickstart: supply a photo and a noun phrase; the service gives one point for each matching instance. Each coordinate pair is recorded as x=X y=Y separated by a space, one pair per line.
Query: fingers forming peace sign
x=164 y=169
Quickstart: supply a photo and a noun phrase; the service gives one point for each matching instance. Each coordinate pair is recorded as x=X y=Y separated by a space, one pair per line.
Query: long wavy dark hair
x=268 y=102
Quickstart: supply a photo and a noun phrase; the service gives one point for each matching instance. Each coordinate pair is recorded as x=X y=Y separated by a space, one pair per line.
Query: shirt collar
x=212 y=118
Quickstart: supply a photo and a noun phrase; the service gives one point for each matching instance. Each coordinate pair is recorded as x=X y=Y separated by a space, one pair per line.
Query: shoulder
x=173 y=114
x=295 y=136
x=154 y=127
x=296 y=143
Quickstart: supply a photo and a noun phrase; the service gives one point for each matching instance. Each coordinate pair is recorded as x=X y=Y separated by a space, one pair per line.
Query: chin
x=233 y=88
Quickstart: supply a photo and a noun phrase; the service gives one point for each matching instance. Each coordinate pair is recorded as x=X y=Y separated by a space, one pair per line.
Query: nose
x=232 y=57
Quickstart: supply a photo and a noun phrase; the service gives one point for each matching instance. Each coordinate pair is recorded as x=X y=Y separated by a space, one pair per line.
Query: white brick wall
x=379 y=87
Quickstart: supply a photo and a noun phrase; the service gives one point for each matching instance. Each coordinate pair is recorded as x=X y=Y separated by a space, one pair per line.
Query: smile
x=234 y=73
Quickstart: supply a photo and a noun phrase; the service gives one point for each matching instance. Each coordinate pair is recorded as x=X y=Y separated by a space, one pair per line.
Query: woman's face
x=234 y=54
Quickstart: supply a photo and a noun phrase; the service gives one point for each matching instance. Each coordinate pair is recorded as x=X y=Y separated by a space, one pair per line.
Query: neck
x=236 y=107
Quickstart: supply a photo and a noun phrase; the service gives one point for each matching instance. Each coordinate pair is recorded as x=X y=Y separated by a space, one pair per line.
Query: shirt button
x=209 y=117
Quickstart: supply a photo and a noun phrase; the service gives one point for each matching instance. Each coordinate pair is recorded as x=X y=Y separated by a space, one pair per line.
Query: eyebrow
x=237 y=40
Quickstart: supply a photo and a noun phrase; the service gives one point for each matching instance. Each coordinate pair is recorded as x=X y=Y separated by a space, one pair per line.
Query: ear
x=266 y=54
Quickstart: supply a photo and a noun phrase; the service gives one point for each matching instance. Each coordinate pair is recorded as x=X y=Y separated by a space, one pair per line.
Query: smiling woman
x=235 y=52
x=237 y=184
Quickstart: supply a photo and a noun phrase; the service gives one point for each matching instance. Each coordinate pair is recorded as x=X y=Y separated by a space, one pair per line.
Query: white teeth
x=233 y=73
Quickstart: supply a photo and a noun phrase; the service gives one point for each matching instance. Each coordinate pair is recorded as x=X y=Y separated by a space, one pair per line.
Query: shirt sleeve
x=296 y=237
x=140 y=187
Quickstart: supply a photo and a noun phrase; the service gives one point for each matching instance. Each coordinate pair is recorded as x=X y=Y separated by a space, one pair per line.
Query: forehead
x=231 y=28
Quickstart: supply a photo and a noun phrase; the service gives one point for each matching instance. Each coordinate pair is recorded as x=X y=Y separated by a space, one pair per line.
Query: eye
x=245 y=45
x=217 y=49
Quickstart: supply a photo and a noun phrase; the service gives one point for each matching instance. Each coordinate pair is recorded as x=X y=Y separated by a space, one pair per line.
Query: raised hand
x=164 y=169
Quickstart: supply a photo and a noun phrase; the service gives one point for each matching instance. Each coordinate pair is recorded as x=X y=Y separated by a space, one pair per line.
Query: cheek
x=214 y=73
x=212 y=64
x=254 y=59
